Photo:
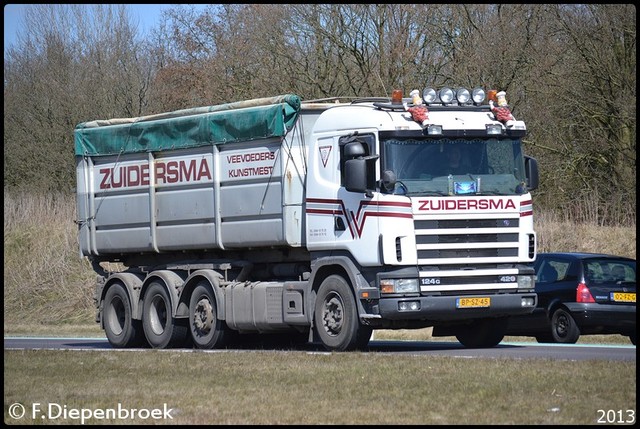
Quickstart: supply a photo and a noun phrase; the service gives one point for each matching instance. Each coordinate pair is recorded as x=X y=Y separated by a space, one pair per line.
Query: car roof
x=583 y=255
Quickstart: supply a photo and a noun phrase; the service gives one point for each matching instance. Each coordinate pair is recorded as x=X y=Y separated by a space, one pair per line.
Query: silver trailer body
x=212 y=196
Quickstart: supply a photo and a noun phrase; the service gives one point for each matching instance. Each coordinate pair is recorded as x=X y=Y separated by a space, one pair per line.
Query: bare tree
x=595 y=106
x=74 y=63
x=569 y=71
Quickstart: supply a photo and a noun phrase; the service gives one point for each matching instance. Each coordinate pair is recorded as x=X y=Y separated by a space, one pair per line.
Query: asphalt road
x=516 y=350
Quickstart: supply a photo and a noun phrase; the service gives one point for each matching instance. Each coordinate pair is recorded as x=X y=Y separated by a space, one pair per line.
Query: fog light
x=527 y=301
x=409 y=306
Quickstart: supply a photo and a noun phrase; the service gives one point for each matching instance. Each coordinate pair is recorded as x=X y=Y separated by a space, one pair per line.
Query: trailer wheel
x=161 y=329
x=336 y=317
x=207 y=331
x=121 y=329
x=483 y=333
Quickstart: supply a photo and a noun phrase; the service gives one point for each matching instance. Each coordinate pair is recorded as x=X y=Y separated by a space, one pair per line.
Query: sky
x=148 y=15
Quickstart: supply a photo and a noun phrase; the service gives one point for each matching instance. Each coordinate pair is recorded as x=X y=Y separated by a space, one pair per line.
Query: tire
x=160 y=328
x=121 y=329
x=544 y=338
x=207 y=331
x=563 y=327
x=336 y=317
x=484 y=333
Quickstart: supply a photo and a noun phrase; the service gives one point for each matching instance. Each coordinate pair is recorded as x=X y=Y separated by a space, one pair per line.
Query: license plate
x=473 y=302
x=623 y=297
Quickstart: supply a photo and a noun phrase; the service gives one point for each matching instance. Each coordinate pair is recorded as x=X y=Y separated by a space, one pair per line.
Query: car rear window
x=610 y=271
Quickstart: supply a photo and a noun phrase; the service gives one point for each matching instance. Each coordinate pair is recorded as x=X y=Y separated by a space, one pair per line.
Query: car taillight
x=583 y=294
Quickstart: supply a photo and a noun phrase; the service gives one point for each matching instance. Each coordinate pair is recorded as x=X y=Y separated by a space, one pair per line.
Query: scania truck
x=324 y=220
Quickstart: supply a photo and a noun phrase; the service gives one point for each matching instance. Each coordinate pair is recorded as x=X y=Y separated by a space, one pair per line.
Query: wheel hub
x=333 y=316
x=203 y=315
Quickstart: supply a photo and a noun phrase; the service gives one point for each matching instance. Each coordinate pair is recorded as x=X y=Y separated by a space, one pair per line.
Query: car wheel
x=563 y=327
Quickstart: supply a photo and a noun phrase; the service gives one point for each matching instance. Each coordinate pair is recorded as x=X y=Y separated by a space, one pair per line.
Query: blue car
x=580 y=294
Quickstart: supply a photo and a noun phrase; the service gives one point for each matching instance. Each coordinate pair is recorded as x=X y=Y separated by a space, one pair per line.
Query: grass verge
x=231 y=387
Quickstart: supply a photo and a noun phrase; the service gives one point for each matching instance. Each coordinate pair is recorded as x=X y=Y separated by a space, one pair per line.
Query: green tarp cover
x=226 y=123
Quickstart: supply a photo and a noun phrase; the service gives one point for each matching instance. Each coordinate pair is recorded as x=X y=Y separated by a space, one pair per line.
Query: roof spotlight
x=446 y=95
x=478 y=95
x=463 y=95
x=429 y=95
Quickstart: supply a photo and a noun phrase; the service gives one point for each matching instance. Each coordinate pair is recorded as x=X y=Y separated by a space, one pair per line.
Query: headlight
x=399 y=286
x=525 y=282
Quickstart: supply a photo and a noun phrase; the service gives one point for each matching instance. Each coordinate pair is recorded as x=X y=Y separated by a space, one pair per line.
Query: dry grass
x=45 y=281
x=558 y=234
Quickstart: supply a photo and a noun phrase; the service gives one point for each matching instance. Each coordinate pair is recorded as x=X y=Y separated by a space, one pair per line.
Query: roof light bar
x=461 y=96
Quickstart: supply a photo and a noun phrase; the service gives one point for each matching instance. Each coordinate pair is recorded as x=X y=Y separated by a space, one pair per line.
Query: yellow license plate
x=473 y=302
x=623 y=297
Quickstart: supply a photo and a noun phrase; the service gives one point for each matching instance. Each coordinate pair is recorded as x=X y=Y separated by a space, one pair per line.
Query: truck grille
x=483 y=240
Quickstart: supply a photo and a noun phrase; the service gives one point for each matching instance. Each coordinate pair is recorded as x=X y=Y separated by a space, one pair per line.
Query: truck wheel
x=483 y=333
x=160 y=328
x=336 y=317
x=122 y=331
x=563 y=327
x=207 y=331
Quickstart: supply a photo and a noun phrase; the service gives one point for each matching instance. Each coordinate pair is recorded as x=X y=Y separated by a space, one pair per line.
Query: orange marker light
x=396 y=97
x=493 y=95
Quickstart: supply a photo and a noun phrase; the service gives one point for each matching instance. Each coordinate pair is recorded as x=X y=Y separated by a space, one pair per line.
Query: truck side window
x=368 y=141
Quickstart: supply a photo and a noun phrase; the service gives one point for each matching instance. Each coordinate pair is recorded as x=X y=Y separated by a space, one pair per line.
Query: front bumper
x=444 y=308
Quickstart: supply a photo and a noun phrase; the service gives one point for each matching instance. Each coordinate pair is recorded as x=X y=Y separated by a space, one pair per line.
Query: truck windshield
x=455 y=166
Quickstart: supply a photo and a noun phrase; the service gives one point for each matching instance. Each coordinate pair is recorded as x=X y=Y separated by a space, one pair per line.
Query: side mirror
x=360 y=174
x=354 y=150
x=356 y=175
